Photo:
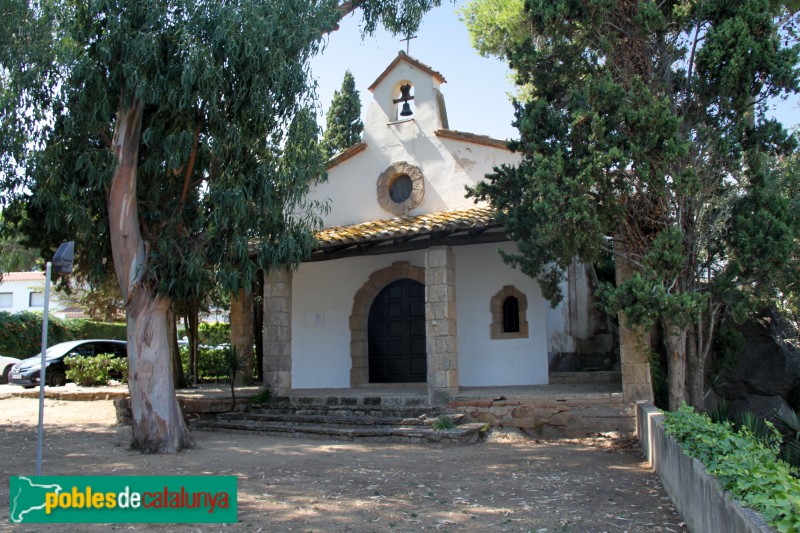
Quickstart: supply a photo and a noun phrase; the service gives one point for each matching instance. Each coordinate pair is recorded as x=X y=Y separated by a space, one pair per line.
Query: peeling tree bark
x=158 y=424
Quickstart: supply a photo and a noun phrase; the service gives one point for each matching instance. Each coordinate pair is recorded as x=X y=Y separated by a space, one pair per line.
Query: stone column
x=440 y=324
x=278 y=331
x=242 y=334
x=633 y=349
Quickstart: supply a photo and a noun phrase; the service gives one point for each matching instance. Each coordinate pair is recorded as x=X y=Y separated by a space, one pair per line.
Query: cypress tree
x=343 y=128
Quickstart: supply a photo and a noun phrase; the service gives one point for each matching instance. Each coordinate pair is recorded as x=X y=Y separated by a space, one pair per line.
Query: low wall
x=552 y=417
x=696 y=494
x=192 y=407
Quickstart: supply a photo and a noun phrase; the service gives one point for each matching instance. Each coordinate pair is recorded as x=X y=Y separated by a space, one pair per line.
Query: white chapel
x=406 y=285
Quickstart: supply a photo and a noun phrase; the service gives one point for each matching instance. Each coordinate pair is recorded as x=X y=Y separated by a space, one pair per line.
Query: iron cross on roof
x=408 y=41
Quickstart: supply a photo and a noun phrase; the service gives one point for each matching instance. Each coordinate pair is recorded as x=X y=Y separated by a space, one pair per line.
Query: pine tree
x=344 y=126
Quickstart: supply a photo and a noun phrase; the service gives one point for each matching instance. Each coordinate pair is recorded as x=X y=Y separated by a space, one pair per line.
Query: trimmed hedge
x=103 y=330
x=21 y=333
x=745 y=466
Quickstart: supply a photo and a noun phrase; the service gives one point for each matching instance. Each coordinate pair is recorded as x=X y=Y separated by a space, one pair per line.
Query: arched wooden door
x=397 y=334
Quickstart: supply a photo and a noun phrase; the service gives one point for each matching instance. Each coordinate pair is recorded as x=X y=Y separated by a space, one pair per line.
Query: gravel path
x=508 y=483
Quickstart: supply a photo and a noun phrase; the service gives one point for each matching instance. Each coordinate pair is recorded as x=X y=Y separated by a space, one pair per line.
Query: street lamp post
x=62 y=263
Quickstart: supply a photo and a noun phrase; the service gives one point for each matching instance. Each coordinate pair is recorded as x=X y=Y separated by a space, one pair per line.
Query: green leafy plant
x=789 y=425
x=745 y=465
x=212 y=363
x=21 y=333
x=263 y=397
x=442 y=423
x=98 y=370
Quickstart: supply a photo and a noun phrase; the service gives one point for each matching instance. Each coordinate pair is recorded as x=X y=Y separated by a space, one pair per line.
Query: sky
x=477 y=88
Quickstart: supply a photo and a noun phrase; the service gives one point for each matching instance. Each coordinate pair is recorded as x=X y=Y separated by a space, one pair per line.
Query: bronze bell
x=406 y=111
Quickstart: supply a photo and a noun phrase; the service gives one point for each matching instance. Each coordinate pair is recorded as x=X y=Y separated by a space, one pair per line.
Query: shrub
x=442 y=423
x=214 y=333
x=102 y=330
x=262 y=397
x=745 y=466
x=21 y=333
x=98 y=370
x=212 y=363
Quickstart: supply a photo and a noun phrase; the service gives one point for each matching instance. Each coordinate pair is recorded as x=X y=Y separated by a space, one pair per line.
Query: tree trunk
x=675 y=343
x=242 y=335
x=192 y=332
x=695 y=378
x=634 y=357
x=158 y=425
x=258 y=323
x=178 y=377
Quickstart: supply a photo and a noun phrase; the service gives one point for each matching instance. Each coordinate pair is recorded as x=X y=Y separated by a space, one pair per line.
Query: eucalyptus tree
x=174 y=113
x=645 y=133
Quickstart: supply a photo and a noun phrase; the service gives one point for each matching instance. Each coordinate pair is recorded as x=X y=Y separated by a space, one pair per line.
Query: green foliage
x=343 y=122
x=443 y=422
x=745 y=466
x=219 y=85
x=212 y=363
x=495 y=25
x=21 y=333
x=101 y=330
x=728 y=345
x=97 y=370
x=789 y=424
x=214 y=333
x=263 y=397
x=645 y=135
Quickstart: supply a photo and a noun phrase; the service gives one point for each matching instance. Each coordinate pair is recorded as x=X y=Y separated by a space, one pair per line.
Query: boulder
x=767 y=366
x=765 y=407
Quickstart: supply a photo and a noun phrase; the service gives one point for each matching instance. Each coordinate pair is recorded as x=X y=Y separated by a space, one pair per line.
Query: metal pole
x=42 y=371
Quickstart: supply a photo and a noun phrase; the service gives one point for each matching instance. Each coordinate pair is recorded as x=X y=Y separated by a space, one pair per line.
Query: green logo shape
x=122 y=499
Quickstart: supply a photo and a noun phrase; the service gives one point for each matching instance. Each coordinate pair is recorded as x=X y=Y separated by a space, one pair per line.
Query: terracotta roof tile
x=23 y=276
x=402 y=56
x=475 y=219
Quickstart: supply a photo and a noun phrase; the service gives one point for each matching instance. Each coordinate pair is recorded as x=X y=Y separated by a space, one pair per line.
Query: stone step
x=352 y=411
x=333 y=419
x=462 y=434
x=352 y=401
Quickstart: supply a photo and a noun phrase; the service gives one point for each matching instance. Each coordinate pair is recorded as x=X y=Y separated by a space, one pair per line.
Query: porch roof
x=465 y=226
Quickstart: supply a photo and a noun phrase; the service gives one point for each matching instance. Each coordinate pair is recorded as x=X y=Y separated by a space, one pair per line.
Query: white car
x=5 y=367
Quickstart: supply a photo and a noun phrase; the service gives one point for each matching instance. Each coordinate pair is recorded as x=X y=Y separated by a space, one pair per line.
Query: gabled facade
x=407 y=285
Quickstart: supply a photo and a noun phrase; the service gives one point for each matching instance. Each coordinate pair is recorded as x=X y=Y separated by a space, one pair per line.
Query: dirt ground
x=507 y=483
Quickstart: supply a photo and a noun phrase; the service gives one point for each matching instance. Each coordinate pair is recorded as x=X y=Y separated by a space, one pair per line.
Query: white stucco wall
x=447 y=165
x=322 y=300
x=20 y=291
x=483 y=361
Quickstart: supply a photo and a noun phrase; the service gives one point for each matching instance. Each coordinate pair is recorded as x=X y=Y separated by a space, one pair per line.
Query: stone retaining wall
x=552 y=417
x=696 y=494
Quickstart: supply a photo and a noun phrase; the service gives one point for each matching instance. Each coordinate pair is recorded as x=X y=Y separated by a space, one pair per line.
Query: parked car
x=5 y=366
x=26 y=372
